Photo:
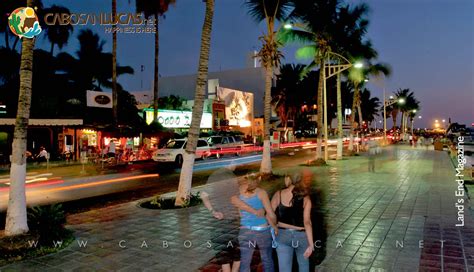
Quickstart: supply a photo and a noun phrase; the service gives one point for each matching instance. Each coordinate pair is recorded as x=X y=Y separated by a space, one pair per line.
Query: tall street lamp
x=333 y=69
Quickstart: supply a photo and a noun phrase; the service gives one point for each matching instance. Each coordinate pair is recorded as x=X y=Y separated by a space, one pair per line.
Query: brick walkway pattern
x=374 y=221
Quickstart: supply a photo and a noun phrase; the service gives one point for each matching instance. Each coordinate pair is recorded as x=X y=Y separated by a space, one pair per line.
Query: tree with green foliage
x=155 y=10
x=269 y=12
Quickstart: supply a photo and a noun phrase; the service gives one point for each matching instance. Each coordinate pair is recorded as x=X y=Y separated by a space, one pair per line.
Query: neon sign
x=177 y=119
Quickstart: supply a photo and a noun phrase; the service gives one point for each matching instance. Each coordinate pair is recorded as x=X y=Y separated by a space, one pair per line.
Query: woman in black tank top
x=293 y=210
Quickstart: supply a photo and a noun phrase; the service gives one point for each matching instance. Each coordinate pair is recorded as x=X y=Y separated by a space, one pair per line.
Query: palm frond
x=295 y=36
x=259 y=10
x=306 y=52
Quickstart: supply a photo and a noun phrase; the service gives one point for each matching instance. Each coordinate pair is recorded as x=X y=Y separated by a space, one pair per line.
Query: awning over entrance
x=44 y=122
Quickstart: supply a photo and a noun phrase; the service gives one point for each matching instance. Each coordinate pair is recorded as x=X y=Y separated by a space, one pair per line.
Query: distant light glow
x=358 y=65
x=287 y=26
x=401 y=101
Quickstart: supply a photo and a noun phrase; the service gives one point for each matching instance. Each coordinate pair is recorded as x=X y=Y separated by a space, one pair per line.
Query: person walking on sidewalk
x=372 y=153
x=292 y=206
x=229 y=256
x=254 y=230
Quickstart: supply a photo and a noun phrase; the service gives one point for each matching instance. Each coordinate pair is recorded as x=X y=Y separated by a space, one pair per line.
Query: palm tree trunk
x=319 y=103
x=401 y=121
x=185 y=179
x=266 y=164
x=401 y=126
x=339 y=119
x=353 y=111
x=394 y=119
x=16 y=222
x=114 y=66
x=156 y=75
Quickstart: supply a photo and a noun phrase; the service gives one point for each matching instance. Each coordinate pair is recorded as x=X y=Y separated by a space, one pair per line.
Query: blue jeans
x=288 y=242
x=248 y=240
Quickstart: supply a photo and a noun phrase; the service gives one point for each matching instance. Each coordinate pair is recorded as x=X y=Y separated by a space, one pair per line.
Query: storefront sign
x=99 y=99
x=178 y=119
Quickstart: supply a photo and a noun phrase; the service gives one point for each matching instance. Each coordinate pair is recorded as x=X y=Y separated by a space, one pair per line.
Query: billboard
x=177 y=119
x=238 y=106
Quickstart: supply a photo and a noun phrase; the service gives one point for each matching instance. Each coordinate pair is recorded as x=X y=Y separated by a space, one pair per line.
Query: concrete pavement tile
x=69 y=265
x=382 y=265
x=358 y=267
x=131 y=268
x=86 y=268
x=369 y=249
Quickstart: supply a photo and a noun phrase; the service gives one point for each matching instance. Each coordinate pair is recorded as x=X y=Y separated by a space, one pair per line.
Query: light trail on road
x=101 y=182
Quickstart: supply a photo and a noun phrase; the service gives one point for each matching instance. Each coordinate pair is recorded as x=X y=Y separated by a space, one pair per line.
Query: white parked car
x=222 y=145
x=174 y=151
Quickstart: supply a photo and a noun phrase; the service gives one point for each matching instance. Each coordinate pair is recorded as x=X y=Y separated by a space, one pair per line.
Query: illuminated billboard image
x=238 y=106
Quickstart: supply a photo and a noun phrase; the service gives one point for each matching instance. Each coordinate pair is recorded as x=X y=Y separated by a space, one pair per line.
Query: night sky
x=429 y=45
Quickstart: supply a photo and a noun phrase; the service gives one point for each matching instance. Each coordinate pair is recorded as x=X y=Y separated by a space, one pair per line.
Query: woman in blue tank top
x=254 y=230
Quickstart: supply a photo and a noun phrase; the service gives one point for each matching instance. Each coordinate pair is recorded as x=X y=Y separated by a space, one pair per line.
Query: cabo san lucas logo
x=23 y=22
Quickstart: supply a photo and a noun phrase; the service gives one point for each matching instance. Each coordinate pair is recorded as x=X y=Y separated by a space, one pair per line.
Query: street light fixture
x=333 y=69
x=287 y=26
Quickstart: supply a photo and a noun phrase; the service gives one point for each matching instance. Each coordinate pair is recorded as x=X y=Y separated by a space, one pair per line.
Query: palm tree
x=369 y=106
x=316 y=32
x=393 y=112
x=185 y=179
x=409 y=103
x=288 y=95
x=270 y=12
x=155 y=9
x=58 y=34
x=16 y=221
x=114 y=67
x=352 y=26
x=415 y=107
x=92 y=68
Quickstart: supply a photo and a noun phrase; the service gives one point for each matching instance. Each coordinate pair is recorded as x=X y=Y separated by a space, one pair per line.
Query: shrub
x=48 y=222
x=168 y=203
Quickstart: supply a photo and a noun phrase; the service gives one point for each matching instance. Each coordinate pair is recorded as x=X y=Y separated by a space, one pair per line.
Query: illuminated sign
x=238 y=106
x=99 y=99
x=177 y=119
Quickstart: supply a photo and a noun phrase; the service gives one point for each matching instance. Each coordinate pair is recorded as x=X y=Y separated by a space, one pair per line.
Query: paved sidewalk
x=409 y=198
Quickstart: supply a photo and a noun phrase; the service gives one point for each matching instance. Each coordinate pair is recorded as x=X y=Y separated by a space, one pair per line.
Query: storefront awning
x=44 y=122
